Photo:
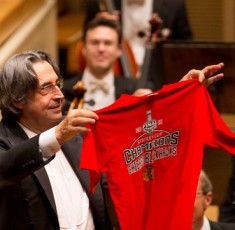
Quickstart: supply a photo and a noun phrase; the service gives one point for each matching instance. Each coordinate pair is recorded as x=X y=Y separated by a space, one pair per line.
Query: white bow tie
x=102 y=85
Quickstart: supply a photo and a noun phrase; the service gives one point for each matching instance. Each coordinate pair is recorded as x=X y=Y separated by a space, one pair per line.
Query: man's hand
x=74 y=124
x=206 y=76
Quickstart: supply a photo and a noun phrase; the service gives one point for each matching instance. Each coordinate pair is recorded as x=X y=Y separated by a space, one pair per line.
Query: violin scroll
x=79 y=91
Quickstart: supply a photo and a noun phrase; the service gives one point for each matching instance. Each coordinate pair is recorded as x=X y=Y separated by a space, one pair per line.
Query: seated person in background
x=203 y=200
x=102 y=39
x=227 y=209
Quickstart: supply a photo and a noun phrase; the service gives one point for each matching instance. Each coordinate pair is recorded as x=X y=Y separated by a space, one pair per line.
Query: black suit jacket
x=173 y=13
x=221 y=226
x=26 y=198
x=227 y=208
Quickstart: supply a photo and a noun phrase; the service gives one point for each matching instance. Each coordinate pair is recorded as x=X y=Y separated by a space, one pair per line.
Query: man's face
x=202 y=201
x=43 y=109
x=101 y=49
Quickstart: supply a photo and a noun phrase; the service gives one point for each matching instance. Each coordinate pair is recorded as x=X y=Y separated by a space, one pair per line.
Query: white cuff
x=48 y=143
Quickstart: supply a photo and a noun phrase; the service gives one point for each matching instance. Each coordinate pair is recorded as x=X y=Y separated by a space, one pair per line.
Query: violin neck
x=142 y=81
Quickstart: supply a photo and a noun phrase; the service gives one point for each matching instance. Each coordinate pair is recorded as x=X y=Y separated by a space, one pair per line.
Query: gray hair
x=18 y=79
x=205 y=182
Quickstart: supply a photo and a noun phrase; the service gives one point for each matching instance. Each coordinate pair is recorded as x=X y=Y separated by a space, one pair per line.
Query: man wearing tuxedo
x=203 y=200
x=101 y=48
x=41 y=184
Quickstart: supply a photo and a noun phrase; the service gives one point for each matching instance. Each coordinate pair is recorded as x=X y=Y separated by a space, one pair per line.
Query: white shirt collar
x=29 y=133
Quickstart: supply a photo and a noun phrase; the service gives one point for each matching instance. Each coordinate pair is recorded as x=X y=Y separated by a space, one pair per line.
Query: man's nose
x=57 y=92
x=101 y=46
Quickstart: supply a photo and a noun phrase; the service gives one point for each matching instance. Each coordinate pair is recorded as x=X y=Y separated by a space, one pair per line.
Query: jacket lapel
x=43 y=179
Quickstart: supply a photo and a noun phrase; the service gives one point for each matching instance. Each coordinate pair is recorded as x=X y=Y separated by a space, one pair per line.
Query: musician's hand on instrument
x=141 y=92
x=110 y=16
x=74 y=123
x=206 y=76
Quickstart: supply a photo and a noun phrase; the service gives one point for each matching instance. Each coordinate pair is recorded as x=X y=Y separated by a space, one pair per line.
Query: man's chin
x=55 y=117
x=102 y=68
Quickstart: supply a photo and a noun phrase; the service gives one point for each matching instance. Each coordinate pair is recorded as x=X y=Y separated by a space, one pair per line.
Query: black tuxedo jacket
x=227 y=208
x=172 y=12
x=221 y=226
x=26 y=197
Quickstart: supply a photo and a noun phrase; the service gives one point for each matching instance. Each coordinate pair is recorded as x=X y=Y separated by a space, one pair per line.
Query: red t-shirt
x=151 y=148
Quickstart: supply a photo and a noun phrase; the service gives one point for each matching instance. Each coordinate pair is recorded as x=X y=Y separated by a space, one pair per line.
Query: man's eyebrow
x=46 y=83
x=49 y=82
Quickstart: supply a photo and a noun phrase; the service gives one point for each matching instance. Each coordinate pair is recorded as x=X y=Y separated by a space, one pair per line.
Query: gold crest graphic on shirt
x=148 y=173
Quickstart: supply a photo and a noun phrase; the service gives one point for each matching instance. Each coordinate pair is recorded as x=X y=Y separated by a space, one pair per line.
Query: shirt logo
x=148 y=173
x=150 y=125
x=152 y=143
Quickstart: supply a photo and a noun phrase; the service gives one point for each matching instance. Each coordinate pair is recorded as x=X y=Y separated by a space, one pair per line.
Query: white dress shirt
x=101 y=97
x=206 y=224
x=135 y=19
x=72 y=203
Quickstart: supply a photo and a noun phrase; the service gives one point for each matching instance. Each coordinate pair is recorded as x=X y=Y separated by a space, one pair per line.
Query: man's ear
x=18 y=105
x=208 y=199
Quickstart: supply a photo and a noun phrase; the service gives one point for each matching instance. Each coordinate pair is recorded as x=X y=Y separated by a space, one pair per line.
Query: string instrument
x=79 y=91
x=155 y=23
